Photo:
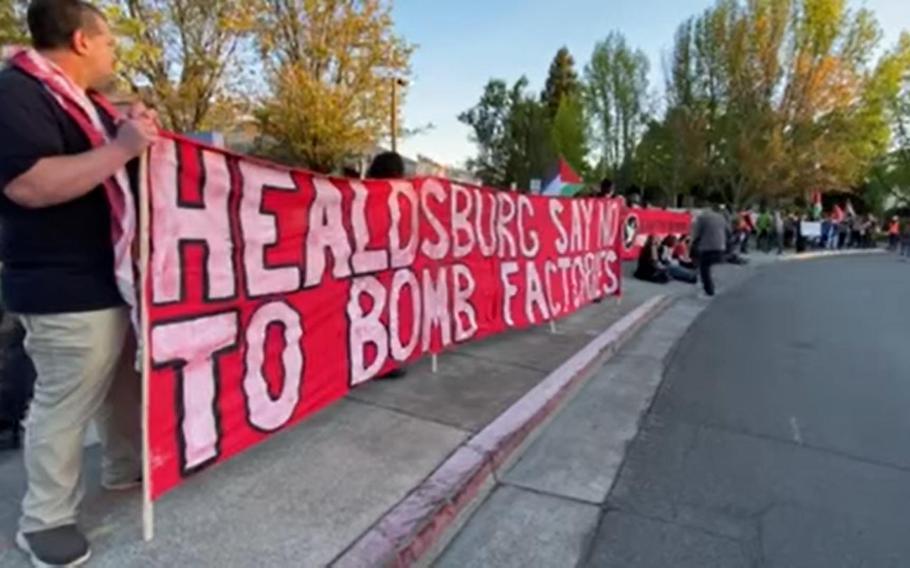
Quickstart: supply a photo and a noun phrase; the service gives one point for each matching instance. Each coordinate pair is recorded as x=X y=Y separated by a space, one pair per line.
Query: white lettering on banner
x=190 y=347
x=596 y=270
x=556 y=210
x=364 y=261
x=577 y=227
x=402 y=351
x=264 y=412
x=507 y=270
x=176 y=224
x=528 y=250
x=534 y=296
x=609 y=223
x=590 y=280
x=436 y=308
x=612 y=286
x=460 y=224
x=366 y=328
x=260 y=231
x=403 y=256
x=565 y=265
x=439 y=249
x=507 y=213
x=465 y=314
x=326 y=232
x=550 y=268
x=587 y=214
x=578 y=280
x=487 y=247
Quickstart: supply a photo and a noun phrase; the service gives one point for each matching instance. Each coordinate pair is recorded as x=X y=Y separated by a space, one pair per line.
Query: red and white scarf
x=79 y=106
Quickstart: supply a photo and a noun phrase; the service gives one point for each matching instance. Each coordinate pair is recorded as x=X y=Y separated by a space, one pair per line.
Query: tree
x=569 y=134
x=562 y=81
x=512 y=131
x=332 y=66
x=781 y=96
x=617 y=89
x=12 y=23
x=184 y=55
x=489 y=121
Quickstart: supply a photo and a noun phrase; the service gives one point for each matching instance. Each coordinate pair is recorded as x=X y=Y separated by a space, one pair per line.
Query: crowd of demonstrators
x=58 y=266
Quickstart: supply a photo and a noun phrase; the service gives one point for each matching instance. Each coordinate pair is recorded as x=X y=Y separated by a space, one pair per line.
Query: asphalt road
x=781 y=434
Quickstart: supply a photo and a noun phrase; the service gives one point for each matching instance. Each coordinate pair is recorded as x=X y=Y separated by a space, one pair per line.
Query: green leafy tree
x=616 y=84
x=779 y=97
x=562 y=81
x=569 y=134
x=512 y=131
x=184 y=57
x=332 y=66
x=12 y=23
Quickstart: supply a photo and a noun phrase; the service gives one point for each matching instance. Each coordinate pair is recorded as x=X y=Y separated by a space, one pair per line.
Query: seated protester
x=681 y=252
x=388 y=165
x=676 y=272
x=650 y=269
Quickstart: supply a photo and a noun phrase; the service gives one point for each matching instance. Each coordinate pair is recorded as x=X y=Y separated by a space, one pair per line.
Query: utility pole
x=396 y=82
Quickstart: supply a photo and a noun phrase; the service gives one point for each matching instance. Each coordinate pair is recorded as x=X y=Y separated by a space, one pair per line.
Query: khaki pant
x=85 y=370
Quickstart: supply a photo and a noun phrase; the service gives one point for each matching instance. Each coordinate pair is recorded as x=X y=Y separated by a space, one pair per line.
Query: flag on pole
x=564 y=182
x=817 y=208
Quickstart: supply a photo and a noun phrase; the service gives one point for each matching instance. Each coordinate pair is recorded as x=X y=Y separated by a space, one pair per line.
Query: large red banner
x=639 y=224
x=273 y=292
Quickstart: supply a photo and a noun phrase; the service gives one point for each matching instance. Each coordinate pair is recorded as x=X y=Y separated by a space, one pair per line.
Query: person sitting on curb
x=650 y=269
x=682 y=252
x=676 y=271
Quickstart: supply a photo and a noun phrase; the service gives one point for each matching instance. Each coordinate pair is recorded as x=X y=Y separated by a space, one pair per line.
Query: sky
x=461 y=44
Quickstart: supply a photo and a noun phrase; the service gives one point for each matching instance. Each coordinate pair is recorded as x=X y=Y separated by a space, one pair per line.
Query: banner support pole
x=434 y=363
x=553 y=327
x=148 y=509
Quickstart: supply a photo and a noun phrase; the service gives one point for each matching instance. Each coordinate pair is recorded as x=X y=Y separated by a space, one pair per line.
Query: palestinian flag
x=817 y=207
x=564 y=182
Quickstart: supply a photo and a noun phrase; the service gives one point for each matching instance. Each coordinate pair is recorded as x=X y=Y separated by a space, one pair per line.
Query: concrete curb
x=832 y=253
x=417 y=527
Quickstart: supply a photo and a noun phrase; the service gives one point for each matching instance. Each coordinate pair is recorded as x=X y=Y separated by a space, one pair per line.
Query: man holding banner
x=68 y=220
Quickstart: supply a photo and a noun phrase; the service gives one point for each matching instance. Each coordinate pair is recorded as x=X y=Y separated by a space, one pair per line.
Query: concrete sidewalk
x=305 y=497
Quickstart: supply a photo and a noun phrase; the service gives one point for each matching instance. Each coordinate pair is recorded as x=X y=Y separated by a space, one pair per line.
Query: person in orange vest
x=894 y=233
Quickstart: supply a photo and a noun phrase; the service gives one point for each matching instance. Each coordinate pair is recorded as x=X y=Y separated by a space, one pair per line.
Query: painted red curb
x=416 y=525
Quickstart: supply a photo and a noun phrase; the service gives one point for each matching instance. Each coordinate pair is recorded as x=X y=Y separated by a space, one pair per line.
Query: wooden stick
x=148 y=510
